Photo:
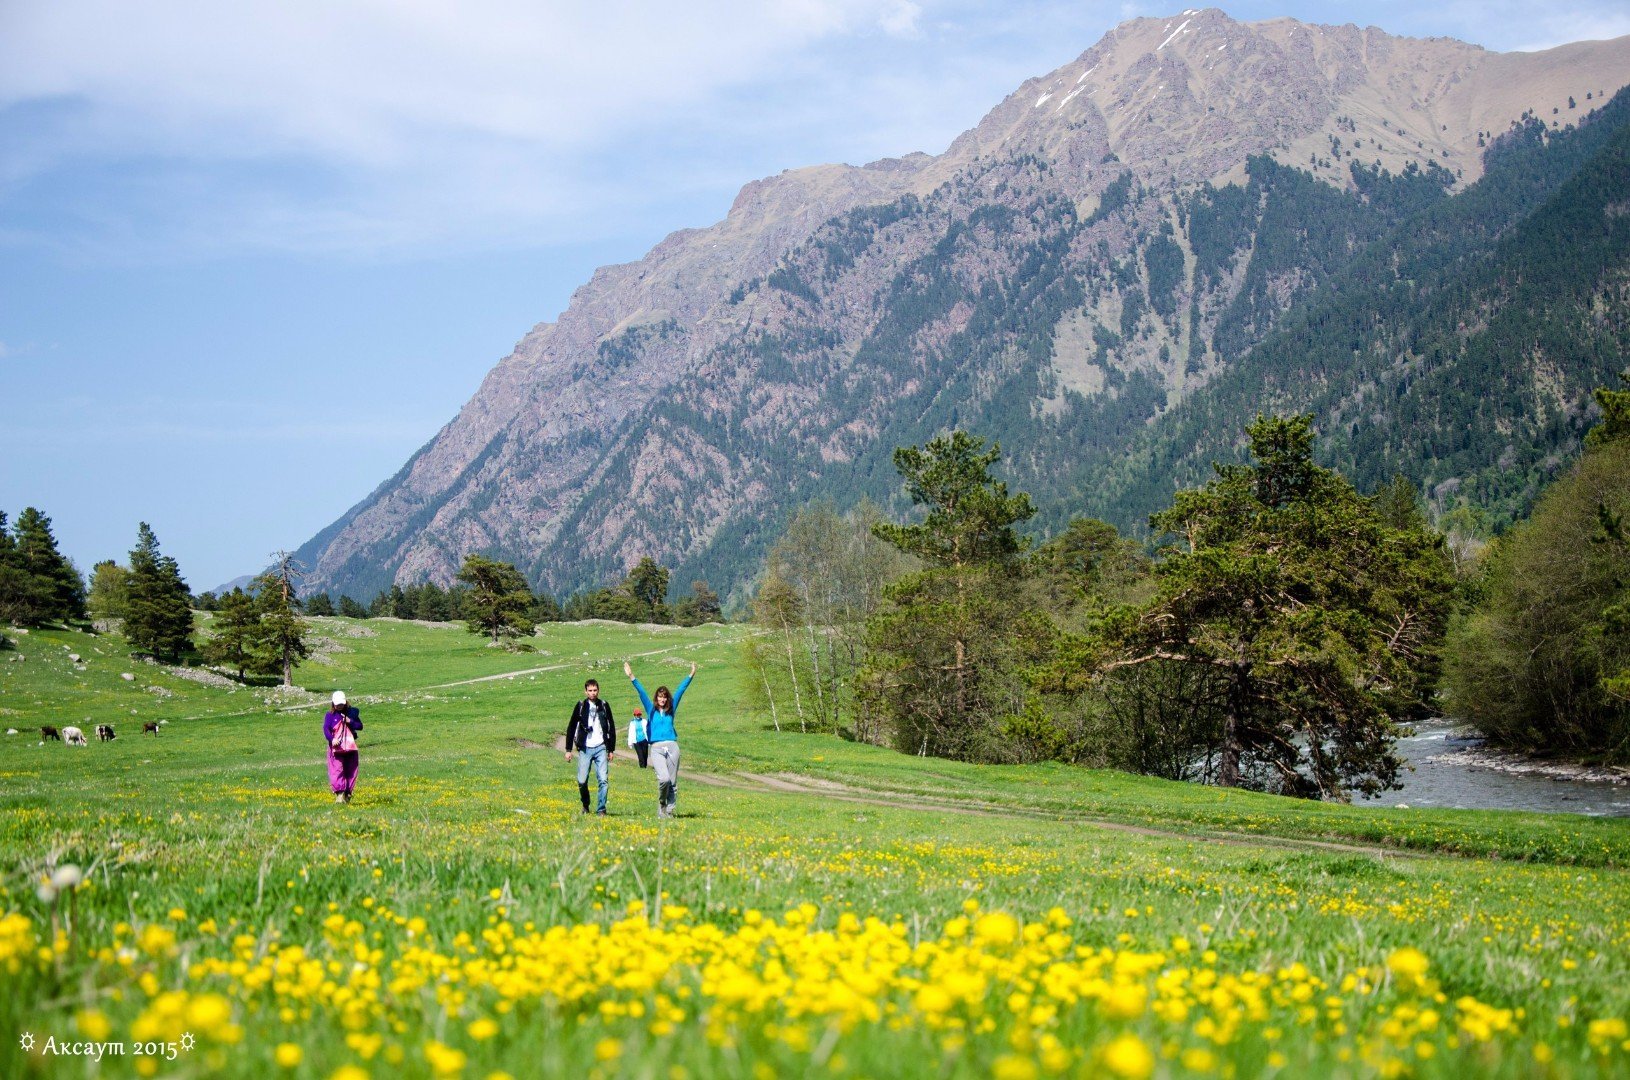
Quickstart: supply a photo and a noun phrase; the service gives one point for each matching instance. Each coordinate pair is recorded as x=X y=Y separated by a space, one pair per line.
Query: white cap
x=339 y=697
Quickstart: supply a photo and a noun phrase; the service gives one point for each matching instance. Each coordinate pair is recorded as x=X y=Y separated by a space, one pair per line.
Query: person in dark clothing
x=592 y=733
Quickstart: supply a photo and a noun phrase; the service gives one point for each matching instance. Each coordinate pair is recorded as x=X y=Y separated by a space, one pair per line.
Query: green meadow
x=818 y=908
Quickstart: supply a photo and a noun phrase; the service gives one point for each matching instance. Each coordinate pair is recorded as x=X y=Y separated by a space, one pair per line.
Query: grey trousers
x=665 y=762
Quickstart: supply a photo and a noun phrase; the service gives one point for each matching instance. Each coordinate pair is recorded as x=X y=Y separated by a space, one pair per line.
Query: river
x=1453 y=771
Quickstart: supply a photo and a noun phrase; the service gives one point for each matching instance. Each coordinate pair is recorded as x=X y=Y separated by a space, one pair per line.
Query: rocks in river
x=1517 y=765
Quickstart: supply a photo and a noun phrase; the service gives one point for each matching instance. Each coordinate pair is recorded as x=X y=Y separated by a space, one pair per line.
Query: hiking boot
x=600 y=812
x=339 y=796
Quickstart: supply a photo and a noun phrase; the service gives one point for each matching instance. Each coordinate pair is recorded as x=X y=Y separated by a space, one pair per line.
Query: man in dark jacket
x=593 y=734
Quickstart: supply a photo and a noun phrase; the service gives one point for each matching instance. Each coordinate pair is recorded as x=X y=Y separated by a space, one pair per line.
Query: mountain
x=1194 y=219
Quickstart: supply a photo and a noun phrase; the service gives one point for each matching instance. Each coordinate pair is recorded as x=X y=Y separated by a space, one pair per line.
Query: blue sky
x=253 y=255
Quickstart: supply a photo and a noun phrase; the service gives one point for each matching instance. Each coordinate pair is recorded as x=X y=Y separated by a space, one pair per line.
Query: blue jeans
x=596 y=757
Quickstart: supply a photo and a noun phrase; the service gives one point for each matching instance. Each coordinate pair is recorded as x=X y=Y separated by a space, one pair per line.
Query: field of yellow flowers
x=194 y=903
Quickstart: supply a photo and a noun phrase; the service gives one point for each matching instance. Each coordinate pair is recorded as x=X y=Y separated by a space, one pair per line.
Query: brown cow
x=150 y=726
x=49 y=732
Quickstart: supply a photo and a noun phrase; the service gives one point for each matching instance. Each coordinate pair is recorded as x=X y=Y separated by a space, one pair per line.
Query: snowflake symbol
x=187 y=1040
x=28 y=1041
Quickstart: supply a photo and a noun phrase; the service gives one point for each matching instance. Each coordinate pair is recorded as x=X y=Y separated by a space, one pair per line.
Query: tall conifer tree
x=158 y=616
x=23 y=597
x=283 y=632
x=37 y=554
x=237 y=643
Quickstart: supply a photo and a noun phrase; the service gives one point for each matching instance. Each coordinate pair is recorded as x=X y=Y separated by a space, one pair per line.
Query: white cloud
x=343 y=124
x=367 y=81
x=1548 y=30
x=379 y=126
x=901 y=18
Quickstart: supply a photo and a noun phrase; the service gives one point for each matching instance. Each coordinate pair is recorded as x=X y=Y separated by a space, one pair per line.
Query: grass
x=460 y=918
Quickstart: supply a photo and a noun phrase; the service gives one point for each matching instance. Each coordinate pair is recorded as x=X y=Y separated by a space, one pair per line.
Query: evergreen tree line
x=255 y=631
x=641 y=597
x=148 y=598
x=497 y=601
x=1283 y=629
x=259 y=630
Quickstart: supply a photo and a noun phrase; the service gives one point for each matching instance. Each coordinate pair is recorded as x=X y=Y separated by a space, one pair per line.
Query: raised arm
x=645 y=699
x=679 y=691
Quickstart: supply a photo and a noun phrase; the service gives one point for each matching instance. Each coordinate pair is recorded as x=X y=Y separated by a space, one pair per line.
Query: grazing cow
x=104 y=732
x=150 y=726
x=74 y=737
x=49 y=732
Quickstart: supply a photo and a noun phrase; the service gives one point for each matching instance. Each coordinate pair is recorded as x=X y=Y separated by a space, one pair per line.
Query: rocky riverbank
x=1473 y=755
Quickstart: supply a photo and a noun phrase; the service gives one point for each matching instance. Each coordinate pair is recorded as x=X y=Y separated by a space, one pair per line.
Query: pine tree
x=283 y=631
x=23 y=598
x=429 y=603
x=318 y=604
x=351 y=609
x=648 y=583
x=499 y=602
x=943 y=653
x=37 y=554
x=545 y=608
x=701 y=606
x=1312 y=626
x=158 y=618
x=237 y=642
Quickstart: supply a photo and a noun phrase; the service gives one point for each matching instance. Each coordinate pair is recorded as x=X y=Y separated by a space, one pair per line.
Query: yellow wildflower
x=1128 y=1057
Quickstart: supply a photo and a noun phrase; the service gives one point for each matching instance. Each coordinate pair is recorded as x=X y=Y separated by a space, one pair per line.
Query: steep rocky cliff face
x=1111 y=241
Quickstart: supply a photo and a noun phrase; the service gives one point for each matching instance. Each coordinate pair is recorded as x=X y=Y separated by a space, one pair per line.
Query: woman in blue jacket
x=663 y=736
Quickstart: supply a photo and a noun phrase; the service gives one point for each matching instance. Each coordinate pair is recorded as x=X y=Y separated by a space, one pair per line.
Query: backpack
x=344 y=740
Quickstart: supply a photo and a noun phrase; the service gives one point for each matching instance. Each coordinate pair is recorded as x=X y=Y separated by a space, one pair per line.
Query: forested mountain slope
x=1460 y=349
x=1194 y=219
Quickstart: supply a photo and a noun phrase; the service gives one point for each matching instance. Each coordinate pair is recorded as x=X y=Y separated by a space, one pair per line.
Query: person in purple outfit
x=340 y=726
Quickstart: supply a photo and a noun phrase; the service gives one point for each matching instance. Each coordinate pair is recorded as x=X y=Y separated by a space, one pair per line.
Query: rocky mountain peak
x=1170 y=103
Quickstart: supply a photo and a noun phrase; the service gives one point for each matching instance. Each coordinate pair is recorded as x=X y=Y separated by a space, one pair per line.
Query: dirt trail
x=397 y=697
x=547 y=667
x=792 y=784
